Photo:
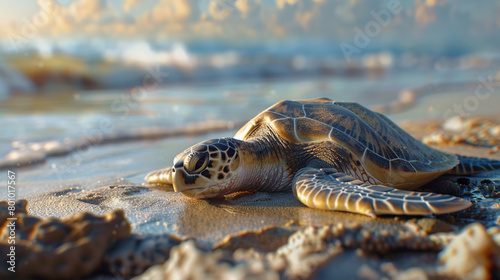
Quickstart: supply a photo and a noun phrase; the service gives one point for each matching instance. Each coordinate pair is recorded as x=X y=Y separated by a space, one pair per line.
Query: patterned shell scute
x=366 y=134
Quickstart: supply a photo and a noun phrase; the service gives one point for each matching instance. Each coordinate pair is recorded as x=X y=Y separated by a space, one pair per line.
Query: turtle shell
x=387 y=152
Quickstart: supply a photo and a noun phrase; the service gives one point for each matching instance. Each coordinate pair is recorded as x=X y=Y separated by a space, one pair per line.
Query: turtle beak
x=179 y=179
x=199 y=184
x=176 y=174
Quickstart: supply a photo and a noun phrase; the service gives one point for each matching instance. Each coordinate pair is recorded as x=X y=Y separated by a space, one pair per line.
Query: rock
x=19 y=208
x=133 y=255
x=495 y=131
x=264 y=240
x=456 y=123
x=412 y=274
x=189 y=262
x=67 y=248
x=441 y=138
x=471 y=255
x=431 y=225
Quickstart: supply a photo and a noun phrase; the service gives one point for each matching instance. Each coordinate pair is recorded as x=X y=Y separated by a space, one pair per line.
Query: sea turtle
x=334 y=155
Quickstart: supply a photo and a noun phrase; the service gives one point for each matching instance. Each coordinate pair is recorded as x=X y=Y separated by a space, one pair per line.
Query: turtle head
x=207 y=169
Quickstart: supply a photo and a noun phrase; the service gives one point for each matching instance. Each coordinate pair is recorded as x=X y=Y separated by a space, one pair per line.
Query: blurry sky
x=10 y=10
x=461 y=24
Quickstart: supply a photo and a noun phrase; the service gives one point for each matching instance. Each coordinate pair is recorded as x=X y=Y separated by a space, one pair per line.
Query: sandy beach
x=266 y=235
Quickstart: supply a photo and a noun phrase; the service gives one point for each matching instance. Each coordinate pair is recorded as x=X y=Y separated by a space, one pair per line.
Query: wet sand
x=272 y=235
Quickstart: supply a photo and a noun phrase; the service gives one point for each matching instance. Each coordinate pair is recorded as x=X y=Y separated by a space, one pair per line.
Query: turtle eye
x=196 y=162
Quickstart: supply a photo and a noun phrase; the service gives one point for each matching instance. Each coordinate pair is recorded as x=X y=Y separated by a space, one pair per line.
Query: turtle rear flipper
x=471 y=165
x=161 y=176
x=326 y=189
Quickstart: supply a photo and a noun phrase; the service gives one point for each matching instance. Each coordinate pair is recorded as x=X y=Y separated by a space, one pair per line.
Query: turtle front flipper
x=326 y=189
x=161 y=176
x=470 y=165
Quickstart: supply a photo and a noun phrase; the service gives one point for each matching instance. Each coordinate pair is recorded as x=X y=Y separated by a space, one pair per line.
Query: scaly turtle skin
x=334 y=155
